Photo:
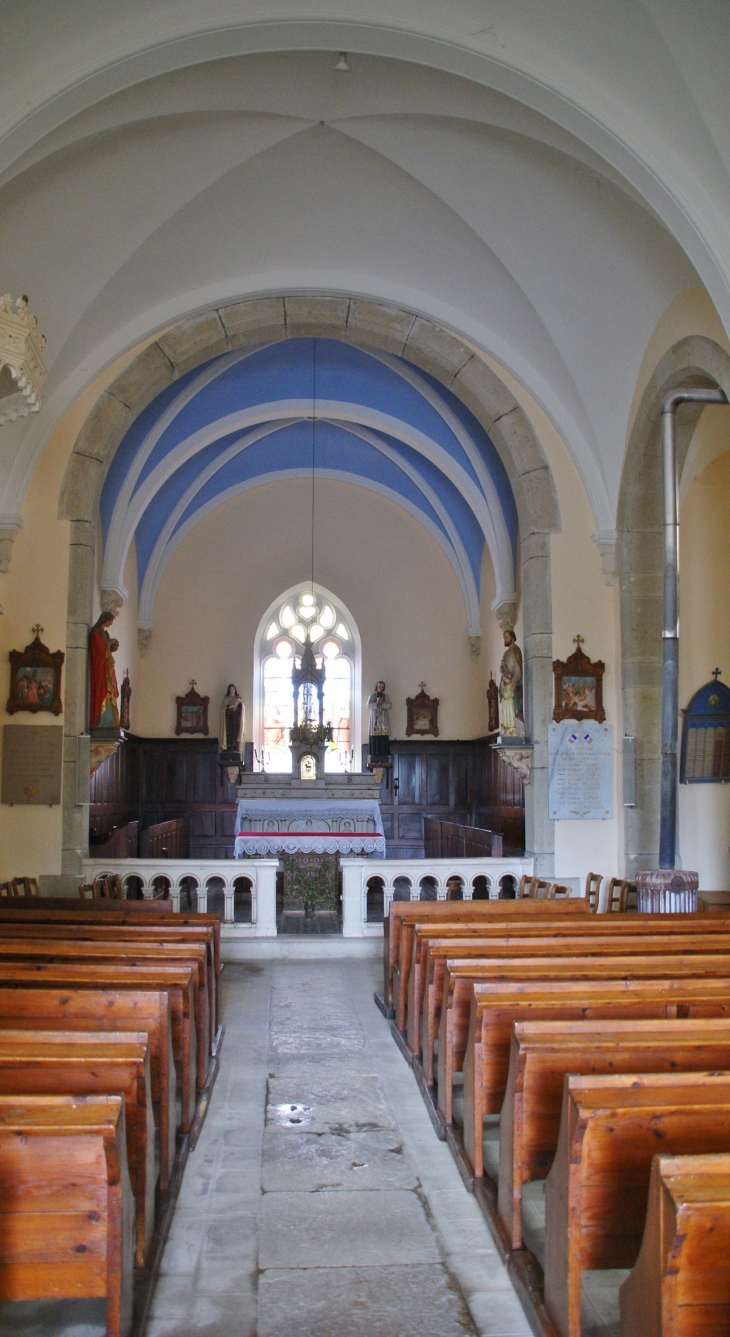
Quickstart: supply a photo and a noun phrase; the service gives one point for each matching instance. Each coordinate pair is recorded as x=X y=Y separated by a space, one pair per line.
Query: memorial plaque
x=32 y=761
x=580 y=762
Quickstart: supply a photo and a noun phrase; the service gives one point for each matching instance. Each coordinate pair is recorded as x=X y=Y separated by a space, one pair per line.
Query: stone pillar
x=265 y=889
x=353 y=877
x=75 y=722
x=538 y=667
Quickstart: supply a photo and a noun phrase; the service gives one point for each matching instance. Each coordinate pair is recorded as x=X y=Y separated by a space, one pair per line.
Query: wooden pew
x=497 y=1006
x=112 y=914
x=44 y=1063
x=464 y=976
x=75 y=903
x=680 y=1283
x=429 y=973
x=119 y=949
x=104 y=1012
x=402 y=914
x=134 y=957
x=176 y=981
x=542 y=1052
x=66 y=1209
x=417 y=929
x=597 y=1191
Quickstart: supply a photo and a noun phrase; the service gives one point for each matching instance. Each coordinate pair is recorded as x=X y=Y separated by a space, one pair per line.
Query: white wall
x=390 y=573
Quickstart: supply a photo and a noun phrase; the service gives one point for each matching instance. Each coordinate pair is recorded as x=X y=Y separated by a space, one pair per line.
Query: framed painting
x=578 y=687
x=423 y=713
x=192 y=712
x=35 y=678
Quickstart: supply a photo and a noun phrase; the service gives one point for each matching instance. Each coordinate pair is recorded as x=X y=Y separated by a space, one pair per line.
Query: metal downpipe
x=670 y=621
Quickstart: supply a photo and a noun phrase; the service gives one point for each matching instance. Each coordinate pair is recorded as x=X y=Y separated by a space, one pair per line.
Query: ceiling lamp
x=22 y=370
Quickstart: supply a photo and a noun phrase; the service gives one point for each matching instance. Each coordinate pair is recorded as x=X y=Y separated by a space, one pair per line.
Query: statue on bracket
x=233 y=721
x=103 y=689
x=379 y=705
x=124 y=700
x=511 y=710
x=492 y=705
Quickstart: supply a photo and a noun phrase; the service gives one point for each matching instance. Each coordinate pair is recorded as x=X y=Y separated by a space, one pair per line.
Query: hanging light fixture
x=342 y=63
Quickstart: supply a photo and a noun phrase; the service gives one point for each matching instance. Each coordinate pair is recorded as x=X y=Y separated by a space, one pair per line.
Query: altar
x=302 y=824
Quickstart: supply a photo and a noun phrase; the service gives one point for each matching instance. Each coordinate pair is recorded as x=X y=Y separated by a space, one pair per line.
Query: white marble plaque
x=580 y=762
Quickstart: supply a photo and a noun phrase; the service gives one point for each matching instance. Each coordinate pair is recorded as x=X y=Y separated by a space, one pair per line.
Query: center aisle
x=340 y=1214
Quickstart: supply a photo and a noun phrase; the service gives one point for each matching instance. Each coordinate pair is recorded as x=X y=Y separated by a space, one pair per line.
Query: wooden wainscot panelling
x=159 y=780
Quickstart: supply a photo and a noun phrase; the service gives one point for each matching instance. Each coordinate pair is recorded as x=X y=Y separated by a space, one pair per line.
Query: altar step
x=237 y=946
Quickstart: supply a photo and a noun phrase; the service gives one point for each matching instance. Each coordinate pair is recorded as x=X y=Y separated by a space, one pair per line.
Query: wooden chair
x=593 y=890
x=523 y=891
x=557 y=892
x=86 y=891
x=6 y=890
x=539 y=888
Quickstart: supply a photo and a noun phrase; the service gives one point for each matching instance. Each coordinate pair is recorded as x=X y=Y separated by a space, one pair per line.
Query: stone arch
x=371 y=324
x=697 y=361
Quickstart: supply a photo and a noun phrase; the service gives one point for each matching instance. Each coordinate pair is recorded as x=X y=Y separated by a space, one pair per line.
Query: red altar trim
x=309 y=833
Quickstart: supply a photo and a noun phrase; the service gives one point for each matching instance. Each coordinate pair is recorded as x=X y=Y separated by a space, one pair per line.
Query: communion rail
x=368 y=885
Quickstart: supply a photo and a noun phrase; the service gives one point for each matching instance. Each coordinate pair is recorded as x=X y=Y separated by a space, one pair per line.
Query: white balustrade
x=259 y=873
x=415 y=876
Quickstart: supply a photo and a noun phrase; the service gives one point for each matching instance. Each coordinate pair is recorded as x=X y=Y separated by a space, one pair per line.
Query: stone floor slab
x=361 y=1302
x=333 y=1104
x=311 y=1162
x=344 y=1229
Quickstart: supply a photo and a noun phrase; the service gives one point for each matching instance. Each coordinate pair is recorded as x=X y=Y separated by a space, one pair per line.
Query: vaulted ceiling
x=541 y=178
x=297 y=408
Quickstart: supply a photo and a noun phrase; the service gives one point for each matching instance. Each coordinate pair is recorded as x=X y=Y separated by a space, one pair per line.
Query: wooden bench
x=132 y=956
x=429 y=973
x=464 y=977
x=403 y=914
x=103 y=1013
x=75 y=903
x=119 y=913
x=39 y=945
x=66 y=1208
x=176 y=981
x=542 y=1052
x=680 y=1283
x=497 y=1006
x=597 y=1191
x=417 y=928
x=43 y=1063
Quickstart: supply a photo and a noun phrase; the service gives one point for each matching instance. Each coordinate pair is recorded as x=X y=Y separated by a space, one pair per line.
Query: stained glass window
x=286 y=631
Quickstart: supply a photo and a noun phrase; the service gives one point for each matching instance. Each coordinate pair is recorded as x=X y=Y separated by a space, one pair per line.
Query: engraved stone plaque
x=32 y=760
x=580 y=761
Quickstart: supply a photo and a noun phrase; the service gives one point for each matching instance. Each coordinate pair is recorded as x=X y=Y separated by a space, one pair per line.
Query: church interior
x=365 y=623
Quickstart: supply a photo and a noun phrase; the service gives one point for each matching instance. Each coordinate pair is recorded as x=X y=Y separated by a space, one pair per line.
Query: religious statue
x=103 y=690
x=492 y=705
x=125 y=697
x=511 y=715
x=379 y=705
x=233 y=720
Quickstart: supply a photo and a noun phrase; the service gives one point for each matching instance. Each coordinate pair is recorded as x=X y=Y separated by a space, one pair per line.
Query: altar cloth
x=251 y=843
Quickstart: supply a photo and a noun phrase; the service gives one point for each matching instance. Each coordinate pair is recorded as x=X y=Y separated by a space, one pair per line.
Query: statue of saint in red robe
x=103 y=691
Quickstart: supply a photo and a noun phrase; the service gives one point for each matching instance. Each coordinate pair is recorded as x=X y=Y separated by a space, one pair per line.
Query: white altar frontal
x=335 y=814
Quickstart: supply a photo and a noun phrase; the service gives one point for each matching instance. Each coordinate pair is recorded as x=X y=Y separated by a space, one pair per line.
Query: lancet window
x=302 y=615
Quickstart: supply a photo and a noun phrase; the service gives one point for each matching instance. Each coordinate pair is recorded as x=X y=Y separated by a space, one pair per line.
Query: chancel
x=364 y=596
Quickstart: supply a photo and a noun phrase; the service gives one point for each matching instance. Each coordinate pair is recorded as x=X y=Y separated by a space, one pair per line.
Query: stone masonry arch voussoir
x=256 y=321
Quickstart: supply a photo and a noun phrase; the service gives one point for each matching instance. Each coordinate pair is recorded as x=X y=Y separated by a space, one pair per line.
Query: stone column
x=75 y=721
x=538 y=667
x=352 y=897
x=265 y=888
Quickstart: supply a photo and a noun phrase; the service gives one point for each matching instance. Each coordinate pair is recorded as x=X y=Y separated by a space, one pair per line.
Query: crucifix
x=578 y=640
x=193 y=684
x=716 y=673
x=37 y=630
